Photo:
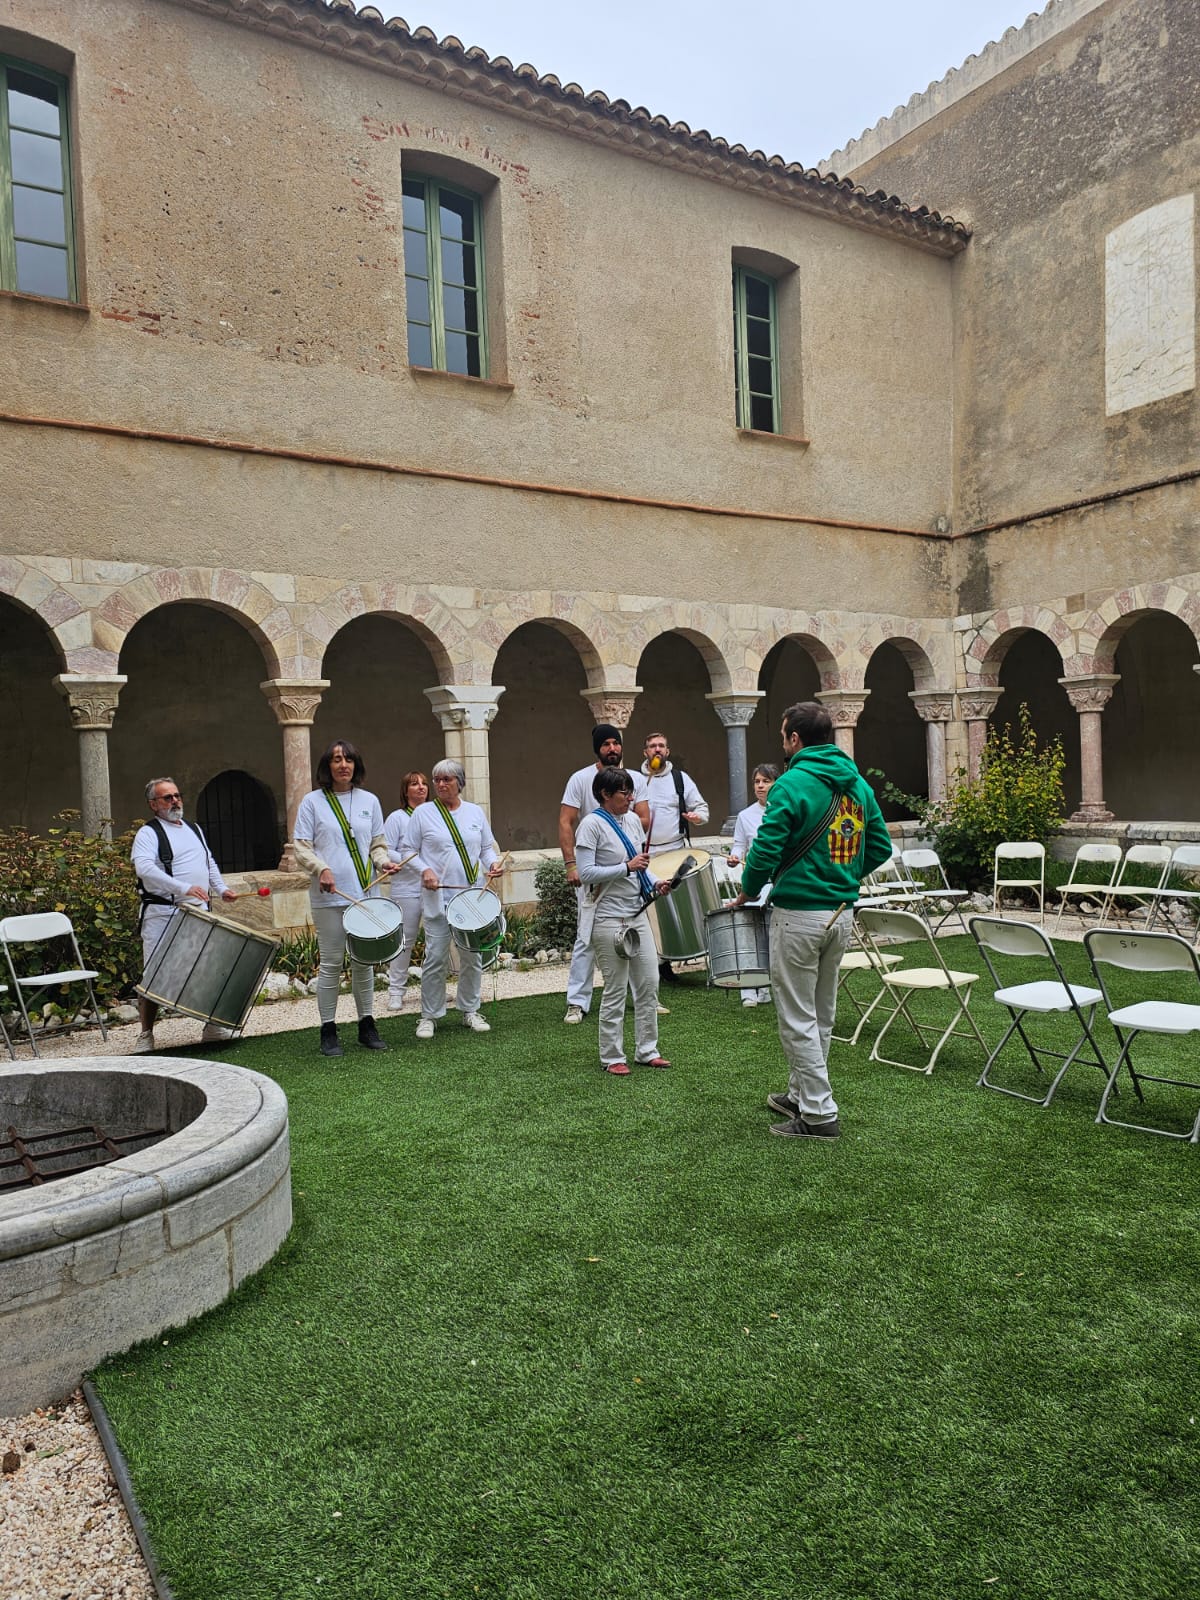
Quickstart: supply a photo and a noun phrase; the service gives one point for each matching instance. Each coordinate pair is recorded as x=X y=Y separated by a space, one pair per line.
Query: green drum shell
x=374 y=931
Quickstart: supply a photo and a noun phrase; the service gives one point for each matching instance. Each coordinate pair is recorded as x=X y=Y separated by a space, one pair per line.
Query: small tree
x=1017 y=795
x=557 y=913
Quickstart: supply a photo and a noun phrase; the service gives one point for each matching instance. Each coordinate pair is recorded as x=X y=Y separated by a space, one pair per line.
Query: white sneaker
x=764 y=997
x=472 y=1020
x=663 y=1011
x=750 y=1000
x=214 y=1033
x=144 y=1045
x=574 y=1014
x=395 y=1003
x=425 y=1028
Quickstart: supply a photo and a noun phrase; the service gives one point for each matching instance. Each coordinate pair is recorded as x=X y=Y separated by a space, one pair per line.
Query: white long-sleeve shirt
x=745 y=828
x=666 y=831
x=318 y=842
x=429 y=836
x=611 y=892
x=395 y=832
x=191 y=863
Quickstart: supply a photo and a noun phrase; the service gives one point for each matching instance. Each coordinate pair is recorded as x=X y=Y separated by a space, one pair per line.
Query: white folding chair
x=1020 y=850
x=1141 y=875
x=1146 y=953
x=851 y=964
x=925 y=868
x=1091 y=859
x=1184 y=863
x=1021 y=941
x=892 y=884
x=906 y=983
x=40 y=927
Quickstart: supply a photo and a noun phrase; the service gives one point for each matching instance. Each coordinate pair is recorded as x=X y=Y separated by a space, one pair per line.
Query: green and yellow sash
x=362 y=868
x=469 y=867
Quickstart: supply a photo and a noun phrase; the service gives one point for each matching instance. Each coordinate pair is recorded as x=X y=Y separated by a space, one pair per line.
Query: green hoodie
x=856 y=842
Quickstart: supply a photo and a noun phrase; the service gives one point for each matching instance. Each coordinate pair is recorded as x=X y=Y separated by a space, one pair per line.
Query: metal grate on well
x=35 y=1158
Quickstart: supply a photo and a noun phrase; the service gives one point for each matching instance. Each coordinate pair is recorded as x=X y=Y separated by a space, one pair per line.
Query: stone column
x=1089 y=695
x=977 y=706
x=735 y=712
x=466 y=711
x=845 y=706
x=935 y=707
x=92 y=703
x=295 y=702
x=611 y=705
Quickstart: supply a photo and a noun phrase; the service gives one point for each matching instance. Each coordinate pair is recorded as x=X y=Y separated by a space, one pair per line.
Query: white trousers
x=331 y=937
x=639 y=972
x=581 y=979
x=155 y=922
x=410 y=909
x=433 y=972
x=805 y=956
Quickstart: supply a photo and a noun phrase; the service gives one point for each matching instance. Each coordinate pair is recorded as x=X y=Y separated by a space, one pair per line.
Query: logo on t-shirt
x=845 y=832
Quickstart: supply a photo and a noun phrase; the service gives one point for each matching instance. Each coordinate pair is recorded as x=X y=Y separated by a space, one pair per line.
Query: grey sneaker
x=472 y=1020
x=574 y=1014
x=797 y=1128
x=144 y=1045
x=784 y=1106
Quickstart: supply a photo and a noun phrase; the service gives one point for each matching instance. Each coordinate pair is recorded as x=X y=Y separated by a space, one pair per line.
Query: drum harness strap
x=361 y=870
x=685 y=827
x=628 y=937
x=471 y=868
x=165 y=857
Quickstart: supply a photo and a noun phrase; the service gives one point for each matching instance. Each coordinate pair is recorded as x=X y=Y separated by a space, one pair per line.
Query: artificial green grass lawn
x=540 y=1333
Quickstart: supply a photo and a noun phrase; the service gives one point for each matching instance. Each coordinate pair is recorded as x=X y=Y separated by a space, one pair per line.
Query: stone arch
x=997 y=646
x=830 y=652
x=266 y=619
x=1150 y=730
x=437 y=627
x=43 y=597
x=1100 y=636
x=890 y=735
x=717 y=646
x=672 y=670
x=917 y=656
x=570 y=628
x=40 y=774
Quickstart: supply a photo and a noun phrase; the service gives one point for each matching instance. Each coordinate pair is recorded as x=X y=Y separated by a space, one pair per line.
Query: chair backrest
x=1185 y=858
x=897 y=927
x=1140 y=952
x=1156 y=857
x=1106 y=851
x=1011 y=938
x=33 y=927
x=1022 y=849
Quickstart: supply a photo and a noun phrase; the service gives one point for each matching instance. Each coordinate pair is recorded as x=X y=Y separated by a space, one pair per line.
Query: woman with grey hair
x=455 y=850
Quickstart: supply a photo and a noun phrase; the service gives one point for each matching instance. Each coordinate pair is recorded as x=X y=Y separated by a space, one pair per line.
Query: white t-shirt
x=746 y=827
x=578 y=792
x=612 y=893
x=191 y=863
x=429 y=836
x=666 y=831
x=395 y=830
x=317 y=826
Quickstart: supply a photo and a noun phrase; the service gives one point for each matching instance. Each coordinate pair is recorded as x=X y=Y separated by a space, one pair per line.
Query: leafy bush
x=298 y=956
x=91 y=880
x=557 y=913
x=1017 y=795
x=518 y=934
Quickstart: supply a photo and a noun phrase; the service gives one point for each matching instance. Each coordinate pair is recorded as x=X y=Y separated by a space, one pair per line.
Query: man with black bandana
x=578 y=801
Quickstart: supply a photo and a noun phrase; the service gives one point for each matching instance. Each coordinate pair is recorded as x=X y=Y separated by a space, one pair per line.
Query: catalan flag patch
x=845 y=831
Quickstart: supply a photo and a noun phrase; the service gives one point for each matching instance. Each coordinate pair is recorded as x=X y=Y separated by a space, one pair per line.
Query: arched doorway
x=238 y=816
x=40 y=773
x=890 y=736
x=788 y=675
x=675 y=679
x=1151 y=726
x=1029 y=675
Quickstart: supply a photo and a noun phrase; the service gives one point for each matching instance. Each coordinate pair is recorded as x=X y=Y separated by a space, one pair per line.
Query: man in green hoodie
x=822 y=833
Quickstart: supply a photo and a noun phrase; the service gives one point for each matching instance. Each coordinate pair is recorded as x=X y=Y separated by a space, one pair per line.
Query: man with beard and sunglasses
x=579 y=801
x=174 y=866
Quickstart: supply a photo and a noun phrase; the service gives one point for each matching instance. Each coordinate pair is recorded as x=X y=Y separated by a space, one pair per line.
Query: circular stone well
x=91 y=1264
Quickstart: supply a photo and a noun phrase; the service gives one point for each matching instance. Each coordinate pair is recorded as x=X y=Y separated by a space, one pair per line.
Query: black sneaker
x=368 y=1034
x=797 y=1128
x=666 y=973
x=784 y=1106
x=330 y=1043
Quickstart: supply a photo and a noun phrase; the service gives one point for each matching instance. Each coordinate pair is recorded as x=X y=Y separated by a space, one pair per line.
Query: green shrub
x=92 y=881
x=557 y=913
x=298 y=956
x=518 y=934
x=1017 y=795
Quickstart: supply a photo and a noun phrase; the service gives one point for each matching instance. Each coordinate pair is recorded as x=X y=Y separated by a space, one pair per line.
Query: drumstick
x=835 y=916
x=249 y=894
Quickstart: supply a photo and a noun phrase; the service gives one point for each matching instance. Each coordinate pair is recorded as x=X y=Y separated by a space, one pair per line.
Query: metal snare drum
x=477 y=922
x=208 y=967
x=739 y=951
x=678 y=918
x=374 y=931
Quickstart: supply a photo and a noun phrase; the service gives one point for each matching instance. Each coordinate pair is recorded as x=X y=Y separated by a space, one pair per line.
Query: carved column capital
x=294 y=700
x=1092 y=692
x=611 y=705
x=979 y=702
x=844 y=706
x=92 y=702
x=736 y=710
x=465 y=705
x=933 y=705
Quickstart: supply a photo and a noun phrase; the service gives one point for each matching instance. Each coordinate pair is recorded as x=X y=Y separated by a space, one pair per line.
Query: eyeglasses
x=174 y=795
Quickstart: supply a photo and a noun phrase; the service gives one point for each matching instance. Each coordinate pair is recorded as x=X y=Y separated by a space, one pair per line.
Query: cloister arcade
x=234 y=683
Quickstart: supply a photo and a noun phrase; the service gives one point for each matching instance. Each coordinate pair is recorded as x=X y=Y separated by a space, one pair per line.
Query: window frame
x=743 y=396
x=8 y=236
x=434 y=188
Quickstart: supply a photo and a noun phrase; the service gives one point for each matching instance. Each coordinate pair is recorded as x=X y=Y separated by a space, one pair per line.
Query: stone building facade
x=251 y=505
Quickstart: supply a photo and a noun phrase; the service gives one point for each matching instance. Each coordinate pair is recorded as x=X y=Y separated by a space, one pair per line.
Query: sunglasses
x=174 y=795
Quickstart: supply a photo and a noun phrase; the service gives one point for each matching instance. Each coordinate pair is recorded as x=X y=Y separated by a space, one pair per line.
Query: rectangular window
x=37 y=252
x=755 y=352
x=443 y=275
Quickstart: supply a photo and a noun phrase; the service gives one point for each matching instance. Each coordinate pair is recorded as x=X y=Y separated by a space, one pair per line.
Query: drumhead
x=667 y=864
x=372 y=920
x=474 y=908
x=239 y=928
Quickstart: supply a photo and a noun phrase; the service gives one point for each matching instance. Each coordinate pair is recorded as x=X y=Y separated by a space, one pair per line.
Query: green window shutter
x=755 y=352
x=37 y=244
x=444 y=278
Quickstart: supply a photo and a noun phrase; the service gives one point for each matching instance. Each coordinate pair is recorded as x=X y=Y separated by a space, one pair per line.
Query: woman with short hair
x=745 y=830
x=338 y=840
x=454 y=850
x=406 y=884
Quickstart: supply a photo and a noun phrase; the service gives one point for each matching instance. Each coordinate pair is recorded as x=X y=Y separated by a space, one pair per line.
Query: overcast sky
x=794 y=79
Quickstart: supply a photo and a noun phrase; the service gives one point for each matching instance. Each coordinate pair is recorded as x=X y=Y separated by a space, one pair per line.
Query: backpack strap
x=166 y=857
x=685 y=827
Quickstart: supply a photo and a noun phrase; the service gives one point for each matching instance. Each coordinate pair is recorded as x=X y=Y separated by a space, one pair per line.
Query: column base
x=1092 y=813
